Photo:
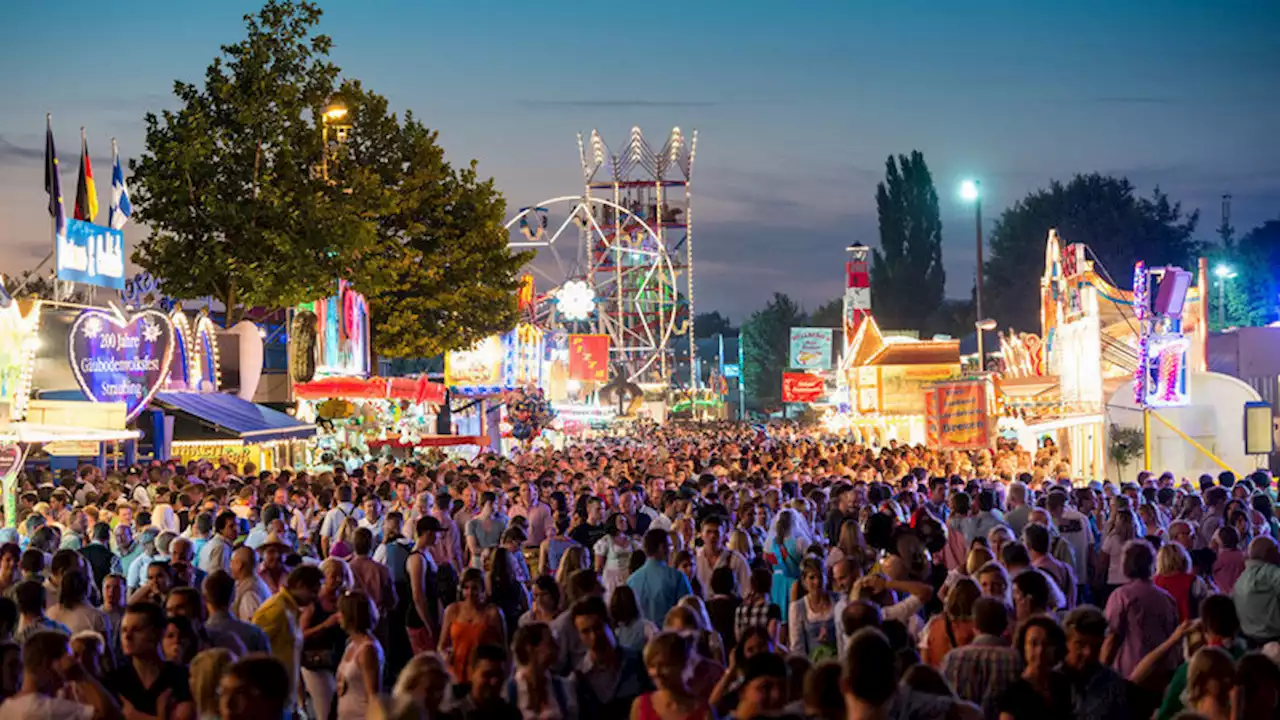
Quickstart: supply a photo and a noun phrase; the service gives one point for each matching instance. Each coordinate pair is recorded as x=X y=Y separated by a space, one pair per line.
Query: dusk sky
x=797 y=104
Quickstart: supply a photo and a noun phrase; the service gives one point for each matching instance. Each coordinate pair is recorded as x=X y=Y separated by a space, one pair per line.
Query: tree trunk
x=229 y=301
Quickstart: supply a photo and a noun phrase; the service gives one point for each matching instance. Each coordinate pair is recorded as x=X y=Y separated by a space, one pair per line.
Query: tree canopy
x=907 y=277
x=710 y=324
x=440 y=275
x=1253 y=294
x=766 y=342
x=232 y=189
x=1100 y=211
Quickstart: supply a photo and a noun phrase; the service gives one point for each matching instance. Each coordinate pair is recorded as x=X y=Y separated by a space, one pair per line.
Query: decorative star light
x=576 y=299
x=150 y=331
x=92 y=327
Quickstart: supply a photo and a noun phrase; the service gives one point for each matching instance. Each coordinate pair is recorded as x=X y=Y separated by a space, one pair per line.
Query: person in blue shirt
x=657 y=585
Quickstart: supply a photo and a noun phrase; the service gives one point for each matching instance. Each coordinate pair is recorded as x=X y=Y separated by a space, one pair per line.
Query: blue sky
x=797 y=104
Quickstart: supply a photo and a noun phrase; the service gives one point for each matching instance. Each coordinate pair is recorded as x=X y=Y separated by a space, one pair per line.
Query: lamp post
x=982 y=326
x=335 y=117
x=1223 y=273
x=971 y=191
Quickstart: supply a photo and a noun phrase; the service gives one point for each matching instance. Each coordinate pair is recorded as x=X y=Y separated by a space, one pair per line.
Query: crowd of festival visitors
x=683 y=575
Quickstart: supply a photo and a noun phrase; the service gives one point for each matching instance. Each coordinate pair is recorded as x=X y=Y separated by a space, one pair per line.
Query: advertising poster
x=481 y=366
x=589 y=358
x=802 y=388
x=811 y=348
x=960 y=413
x=901 y=387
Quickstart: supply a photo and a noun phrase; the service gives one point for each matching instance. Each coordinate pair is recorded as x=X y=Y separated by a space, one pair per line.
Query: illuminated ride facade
x=628 y=273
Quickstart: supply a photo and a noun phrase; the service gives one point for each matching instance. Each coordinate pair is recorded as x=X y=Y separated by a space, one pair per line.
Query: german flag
x=86 y=192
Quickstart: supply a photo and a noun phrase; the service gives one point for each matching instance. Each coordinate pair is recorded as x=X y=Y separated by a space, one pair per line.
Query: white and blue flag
x=121 y=208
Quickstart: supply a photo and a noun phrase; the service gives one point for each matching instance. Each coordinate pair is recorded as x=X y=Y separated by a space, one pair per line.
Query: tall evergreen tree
x=907 y=278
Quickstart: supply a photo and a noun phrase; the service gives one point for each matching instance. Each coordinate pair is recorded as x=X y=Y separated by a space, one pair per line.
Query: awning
x=416 y=390
x=249 y=421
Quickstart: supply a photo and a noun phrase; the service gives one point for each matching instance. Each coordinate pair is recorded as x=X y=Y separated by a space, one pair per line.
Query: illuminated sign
x=958 y=416
x=478 y=367
x=18 y=344
x=589 y=358
x=811 y=348
x=802 y=388
x=1165 y=376
x=118 y=359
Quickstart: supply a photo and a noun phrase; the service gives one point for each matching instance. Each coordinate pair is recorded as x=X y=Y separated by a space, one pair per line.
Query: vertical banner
x=960 y=412
x=811 y=348
x=11 y=456
x=932 y=427
x=589 y=358
x=802 y=388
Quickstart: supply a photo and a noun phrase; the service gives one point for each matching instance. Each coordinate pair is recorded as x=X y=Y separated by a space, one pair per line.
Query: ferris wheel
x=601 y=268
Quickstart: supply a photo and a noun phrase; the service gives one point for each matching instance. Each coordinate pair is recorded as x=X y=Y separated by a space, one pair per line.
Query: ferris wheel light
x=576 y=300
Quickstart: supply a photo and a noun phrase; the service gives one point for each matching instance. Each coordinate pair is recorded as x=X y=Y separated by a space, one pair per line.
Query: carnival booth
x=886 y=378
x=505 y=377
x=359 y=415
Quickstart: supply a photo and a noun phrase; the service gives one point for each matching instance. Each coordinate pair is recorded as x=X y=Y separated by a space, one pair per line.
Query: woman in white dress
x=360 y=670
x=613 y=552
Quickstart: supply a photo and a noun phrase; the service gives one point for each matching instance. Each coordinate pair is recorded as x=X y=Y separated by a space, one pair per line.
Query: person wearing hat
x=272 y=569
x=136 y=573
x=422 y=615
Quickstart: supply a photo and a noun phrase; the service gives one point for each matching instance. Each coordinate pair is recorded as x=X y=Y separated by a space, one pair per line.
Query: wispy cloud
x=620 y=104
x=1137 y=100
x=18 y=153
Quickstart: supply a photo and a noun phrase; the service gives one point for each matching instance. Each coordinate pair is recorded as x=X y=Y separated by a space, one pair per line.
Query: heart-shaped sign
x=119 y=359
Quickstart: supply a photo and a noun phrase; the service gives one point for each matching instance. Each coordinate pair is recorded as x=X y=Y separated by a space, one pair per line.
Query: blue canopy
x=250 y=421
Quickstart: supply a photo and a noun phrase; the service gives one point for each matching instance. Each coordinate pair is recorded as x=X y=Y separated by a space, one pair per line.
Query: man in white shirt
x=216 y=554
x=334 y=519
x=48 y=672
x=714 y=554
x=1074 y=529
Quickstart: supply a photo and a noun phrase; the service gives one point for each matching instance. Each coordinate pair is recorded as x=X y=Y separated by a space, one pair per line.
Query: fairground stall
x=1066 y=391
x=502 y=382
x=886 y=379
x=359 y=416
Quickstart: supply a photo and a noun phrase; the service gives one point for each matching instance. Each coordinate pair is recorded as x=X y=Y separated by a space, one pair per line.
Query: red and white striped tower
x=857 y=291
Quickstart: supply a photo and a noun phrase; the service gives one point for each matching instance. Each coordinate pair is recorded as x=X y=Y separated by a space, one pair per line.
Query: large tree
x=907 y=278
x=246 y=204
x=710 y=324
x=441 y=276
x=766 y=341
x=228 y=183
x=1254 y=293
x=1100 y=211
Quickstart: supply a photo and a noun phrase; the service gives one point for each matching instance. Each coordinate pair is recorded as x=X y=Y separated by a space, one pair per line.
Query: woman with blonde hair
x=850 y=545
x=424 y=681
x=740 y=543
x=1174 y=576
x=206 y=673
x=344 y=545
x=666 y=658
x=953 y=627
x=360 y=670
x=573 y=560
x=1210 y=679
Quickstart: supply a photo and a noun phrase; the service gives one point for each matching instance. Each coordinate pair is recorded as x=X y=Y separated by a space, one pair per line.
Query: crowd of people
x=686 y=574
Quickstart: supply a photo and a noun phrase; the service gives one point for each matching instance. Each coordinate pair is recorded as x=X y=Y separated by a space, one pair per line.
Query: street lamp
x=971 y=192
x=335 y=117
x=1224 y=273
x=983 y=326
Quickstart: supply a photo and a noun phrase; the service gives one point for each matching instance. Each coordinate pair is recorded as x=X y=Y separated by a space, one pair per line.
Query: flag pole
x=53 y=219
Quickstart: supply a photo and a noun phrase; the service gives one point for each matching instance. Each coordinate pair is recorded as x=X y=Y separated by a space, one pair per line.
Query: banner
x=589 y=358
x=811 y=348
x=91 y=254
x=481 y=366
x=957 y=416
x=802 y=388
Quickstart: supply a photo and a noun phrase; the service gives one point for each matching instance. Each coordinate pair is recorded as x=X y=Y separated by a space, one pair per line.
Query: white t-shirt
x=1074 y=528
x=41 y=707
